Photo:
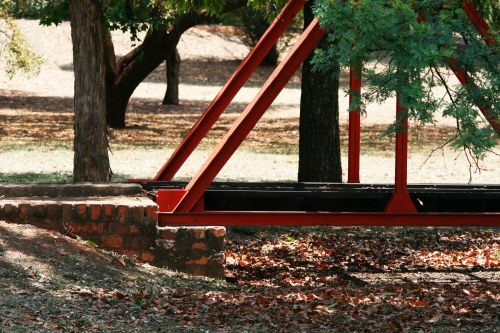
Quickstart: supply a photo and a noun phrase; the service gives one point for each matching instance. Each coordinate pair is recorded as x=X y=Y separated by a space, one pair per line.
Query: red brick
x=147 y=256
x=199 y=246
x=24 y=210
x=217 y=232
x=95 y=212
x=39 y=211
x=67 y=213
x=78 y=228
x=202 y=261
x=168 y=234
x=112 y=241
x=125 y=229
x=108 y=212
x=136 y=214
x=10 y=209
x=54 y=212
x=118 y=228
x=122 y=214
x=81 y=212
x=137 y=243
x=152 y=213
x=134 y=229
x=96 y=228
x=198 y=232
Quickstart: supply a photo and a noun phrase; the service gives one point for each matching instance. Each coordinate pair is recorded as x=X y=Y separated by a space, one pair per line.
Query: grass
x=42 y=146
x=31 y=177
x=52 y=177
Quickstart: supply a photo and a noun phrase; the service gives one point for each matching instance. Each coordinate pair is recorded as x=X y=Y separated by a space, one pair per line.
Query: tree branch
x=134 y=67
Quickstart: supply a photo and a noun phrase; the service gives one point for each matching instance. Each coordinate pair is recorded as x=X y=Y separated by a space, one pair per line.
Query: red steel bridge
x=202 y=202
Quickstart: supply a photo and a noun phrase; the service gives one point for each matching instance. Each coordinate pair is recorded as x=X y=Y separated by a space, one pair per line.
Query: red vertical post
x=226 y=95
x=354 y=124
x=401 y=201
x=249 y=118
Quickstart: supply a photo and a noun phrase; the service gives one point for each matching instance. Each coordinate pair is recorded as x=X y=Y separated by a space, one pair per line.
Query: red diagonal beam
x=485 y=31
x=226 y=95
x=471 y=86
x=478 y=20
x=249 y=118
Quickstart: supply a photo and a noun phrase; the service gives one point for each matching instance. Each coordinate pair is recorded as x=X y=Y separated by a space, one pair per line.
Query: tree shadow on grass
x=50 y=282
x=216 y=72
x=369 y=255
x=136 y=106
x=211 y=72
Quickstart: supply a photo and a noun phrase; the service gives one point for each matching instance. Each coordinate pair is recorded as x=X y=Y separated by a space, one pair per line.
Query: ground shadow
x=210 y=72
x=136 y=105
x=355 y=253
x=216 y=72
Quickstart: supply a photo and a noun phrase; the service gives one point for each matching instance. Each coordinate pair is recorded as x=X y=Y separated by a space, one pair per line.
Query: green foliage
x=14 y=47
x=49 y=11
x=405 y=55
x=19 y=56
x=136 y=16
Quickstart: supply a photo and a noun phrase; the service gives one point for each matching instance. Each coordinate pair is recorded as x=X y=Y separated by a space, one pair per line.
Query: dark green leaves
x=406 y=47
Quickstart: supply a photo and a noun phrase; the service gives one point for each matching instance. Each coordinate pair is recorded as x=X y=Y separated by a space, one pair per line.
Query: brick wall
x=121 y=224
x=126 y=225
x=194 y=250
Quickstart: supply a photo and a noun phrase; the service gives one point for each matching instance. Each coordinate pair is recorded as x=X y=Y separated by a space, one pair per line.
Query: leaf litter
x=278 y=280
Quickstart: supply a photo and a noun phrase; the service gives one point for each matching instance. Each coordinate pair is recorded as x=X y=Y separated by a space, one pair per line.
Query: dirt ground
x=279 y=280
x=36 y=120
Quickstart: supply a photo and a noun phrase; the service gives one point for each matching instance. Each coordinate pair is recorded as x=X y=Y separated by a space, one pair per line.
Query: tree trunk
x=91 y=161
x=319 y=144
x=116 y=105
x=271 y=58
x=173 y=65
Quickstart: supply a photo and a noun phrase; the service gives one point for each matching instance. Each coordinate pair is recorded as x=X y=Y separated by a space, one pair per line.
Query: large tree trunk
x=173 y=66
x=319 y=147
x=91 y=161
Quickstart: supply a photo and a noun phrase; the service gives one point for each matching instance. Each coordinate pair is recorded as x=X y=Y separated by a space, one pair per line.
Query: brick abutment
x=123 y=224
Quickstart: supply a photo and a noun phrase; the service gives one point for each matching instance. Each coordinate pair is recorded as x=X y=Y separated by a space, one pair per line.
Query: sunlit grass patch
x=48 y=177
